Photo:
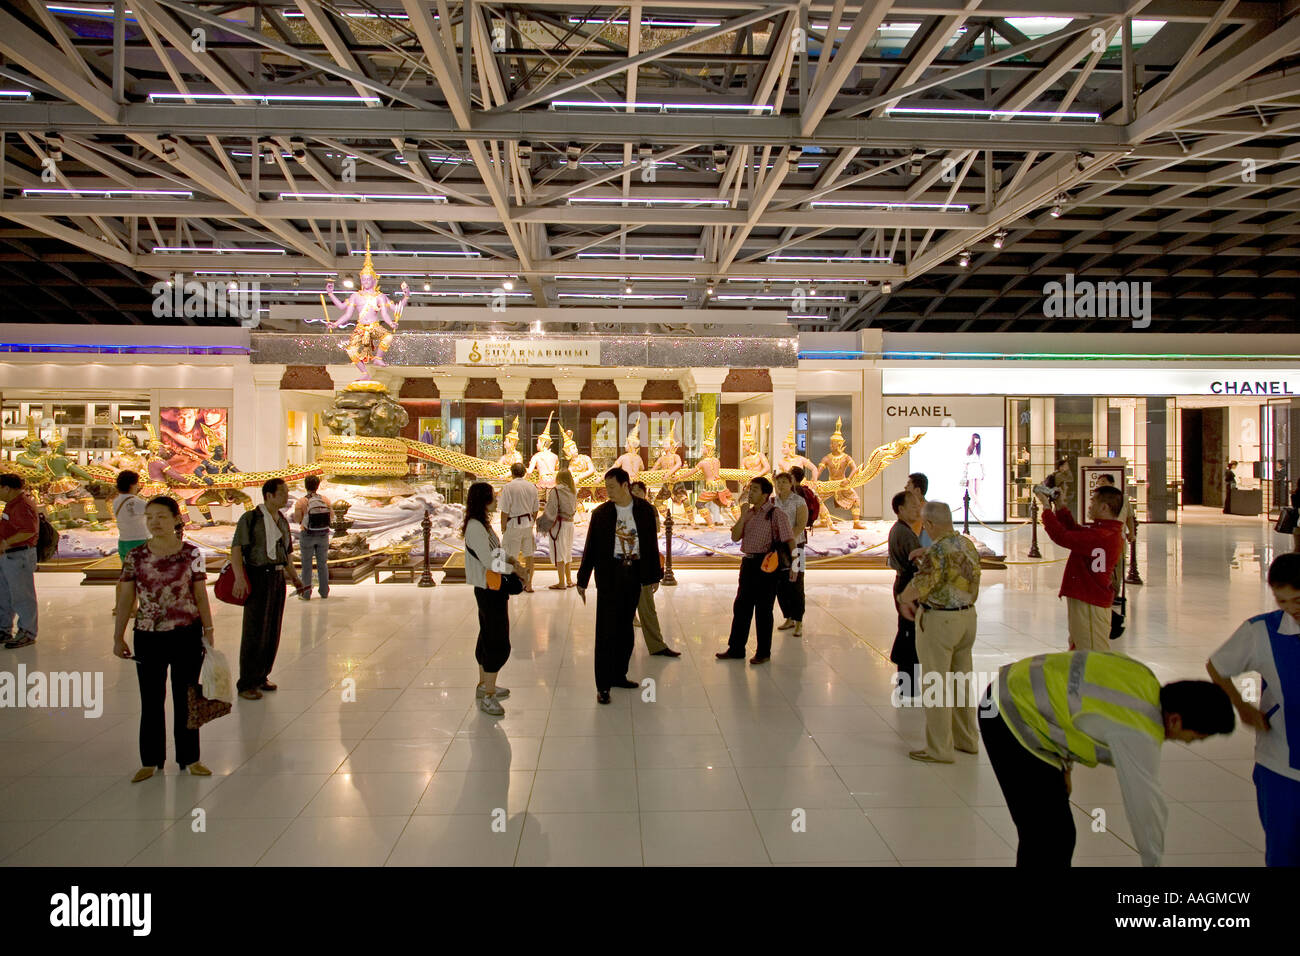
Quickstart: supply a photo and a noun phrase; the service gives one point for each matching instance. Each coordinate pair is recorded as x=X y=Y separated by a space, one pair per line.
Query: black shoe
x=760 y=658
x=667 y=652
x=602 y=697
x=626 y=684
x=729 y=655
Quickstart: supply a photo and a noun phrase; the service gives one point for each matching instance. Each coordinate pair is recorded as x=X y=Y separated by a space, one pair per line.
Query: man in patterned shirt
x=941 y=598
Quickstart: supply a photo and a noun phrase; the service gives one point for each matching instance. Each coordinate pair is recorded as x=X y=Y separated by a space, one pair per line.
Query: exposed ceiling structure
x=919 y=165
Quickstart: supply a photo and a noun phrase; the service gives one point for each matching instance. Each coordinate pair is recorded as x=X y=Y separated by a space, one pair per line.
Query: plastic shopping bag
x=215 y=677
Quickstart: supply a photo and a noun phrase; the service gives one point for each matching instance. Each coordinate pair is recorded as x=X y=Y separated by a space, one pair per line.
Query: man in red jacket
x=1094 y=549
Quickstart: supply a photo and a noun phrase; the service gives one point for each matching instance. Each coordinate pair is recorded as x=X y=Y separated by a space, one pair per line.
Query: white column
x=569 y=389
x=784 y=382
x=269 y=448
x=876 y=494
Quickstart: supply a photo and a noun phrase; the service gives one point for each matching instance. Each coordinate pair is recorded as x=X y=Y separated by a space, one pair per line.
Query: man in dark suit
x=623 y=550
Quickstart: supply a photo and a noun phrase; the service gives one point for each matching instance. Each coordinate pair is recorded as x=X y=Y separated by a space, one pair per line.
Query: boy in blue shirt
x=1269 y=645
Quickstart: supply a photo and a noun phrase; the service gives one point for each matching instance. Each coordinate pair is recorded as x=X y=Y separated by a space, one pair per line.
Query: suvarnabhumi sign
x=496 y=352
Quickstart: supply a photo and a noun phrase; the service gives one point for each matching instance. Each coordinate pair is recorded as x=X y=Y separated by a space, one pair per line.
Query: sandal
x=556 y=587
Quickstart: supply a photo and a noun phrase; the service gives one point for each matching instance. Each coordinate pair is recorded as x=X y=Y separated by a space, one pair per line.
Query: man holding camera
x=762 y=529
x=1094 y=549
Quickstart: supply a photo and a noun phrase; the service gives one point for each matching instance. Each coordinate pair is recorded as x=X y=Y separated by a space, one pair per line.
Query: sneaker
x=22 y=640
x=786 y=625
x=305 y=596
x=490 y=705
x=501 y=693
x=251 y=694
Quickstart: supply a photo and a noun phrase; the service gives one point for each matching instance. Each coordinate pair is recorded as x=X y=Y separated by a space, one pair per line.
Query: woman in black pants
x=493 y=648
x=167 y=576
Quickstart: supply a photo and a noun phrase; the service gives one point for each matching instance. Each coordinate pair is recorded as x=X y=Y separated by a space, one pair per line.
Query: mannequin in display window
x=545 y=463
x=630 y=461
x=754 y=461
x=790 y=458
x=840 y=467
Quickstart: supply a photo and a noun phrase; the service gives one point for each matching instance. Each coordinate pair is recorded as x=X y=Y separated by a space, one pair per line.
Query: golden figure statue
x=545 y=463
x=65 y=486
x=372 y=311
x=510 y=447
x=840 y=467
x=790 y=458
x=715 y=493
x=128 y=456
x=217 y=467
x=668 y=462
x=755 y=462
x=580 y=466
x=630 y=460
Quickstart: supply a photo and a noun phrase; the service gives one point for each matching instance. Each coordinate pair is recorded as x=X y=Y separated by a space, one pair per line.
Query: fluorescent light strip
x=598 y=104
x=419 y=252
x=356 y=15
x=266 y=97
x=624 y=295
x=16 y=94
x=780 y=258
x=196 y=249
x=632 y=278
x=1010 y=114
x=691 y=256
x=110 y=193
x=774 y=298
x=862 y=204
x=256 y=272
x=608 y=200
x=411 y=197
x=647 y=22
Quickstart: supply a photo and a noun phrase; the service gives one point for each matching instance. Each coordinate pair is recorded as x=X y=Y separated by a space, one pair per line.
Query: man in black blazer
x=623 y=550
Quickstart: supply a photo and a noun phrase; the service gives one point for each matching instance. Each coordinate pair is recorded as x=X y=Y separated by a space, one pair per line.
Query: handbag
x=778 y=557
x=202 y=710
x=509 y=583
x=224 y=589
x=1287 y=520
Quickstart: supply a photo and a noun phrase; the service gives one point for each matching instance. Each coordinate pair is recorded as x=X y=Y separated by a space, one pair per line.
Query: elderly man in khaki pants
x=941 y=598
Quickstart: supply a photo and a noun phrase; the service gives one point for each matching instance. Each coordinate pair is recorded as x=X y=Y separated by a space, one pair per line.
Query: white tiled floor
x=710 y=772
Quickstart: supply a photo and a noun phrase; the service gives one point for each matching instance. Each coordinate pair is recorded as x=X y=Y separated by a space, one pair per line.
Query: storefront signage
x=917 y=411
x=918 y=384
x=533 y=352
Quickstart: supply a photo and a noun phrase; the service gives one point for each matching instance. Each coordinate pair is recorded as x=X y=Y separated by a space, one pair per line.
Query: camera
x=1051 y=494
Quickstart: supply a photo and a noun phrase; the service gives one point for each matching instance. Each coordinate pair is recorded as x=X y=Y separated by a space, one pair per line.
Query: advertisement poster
x=961 y=459
x=181 y=429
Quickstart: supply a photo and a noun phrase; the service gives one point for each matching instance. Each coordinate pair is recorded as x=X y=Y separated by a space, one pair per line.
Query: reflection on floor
x=710 y=772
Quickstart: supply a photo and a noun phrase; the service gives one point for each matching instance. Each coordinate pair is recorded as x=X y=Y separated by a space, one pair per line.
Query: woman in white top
x=560 y=507
x=128 y=511
x=482 y=546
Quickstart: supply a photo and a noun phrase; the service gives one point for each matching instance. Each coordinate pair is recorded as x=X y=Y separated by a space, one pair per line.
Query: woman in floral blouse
x=167 y=575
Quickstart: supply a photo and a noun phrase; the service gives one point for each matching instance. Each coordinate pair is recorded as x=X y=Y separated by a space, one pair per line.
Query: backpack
x=318 y=514
x=814 y=504
x=47 y=539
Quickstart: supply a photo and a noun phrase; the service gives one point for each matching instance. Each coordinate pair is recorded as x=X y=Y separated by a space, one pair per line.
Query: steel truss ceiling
x=919 y=165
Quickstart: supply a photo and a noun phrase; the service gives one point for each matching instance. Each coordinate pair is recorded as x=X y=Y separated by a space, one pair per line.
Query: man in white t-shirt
x=1269 y=645
x=519 y=504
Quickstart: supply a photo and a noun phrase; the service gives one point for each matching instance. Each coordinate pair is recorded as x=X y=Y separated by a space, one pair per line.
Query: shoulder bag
x=1287 y=520
x=778 y=557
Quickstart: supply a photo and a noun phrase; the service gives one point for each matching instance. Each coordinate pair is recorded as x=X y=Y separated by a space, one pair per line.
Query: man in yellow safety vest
x=1045 y=713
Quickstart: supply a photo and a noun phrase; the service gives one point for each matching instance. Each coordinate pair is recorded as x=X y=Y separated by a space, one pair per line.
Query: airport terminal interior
x=818 y=433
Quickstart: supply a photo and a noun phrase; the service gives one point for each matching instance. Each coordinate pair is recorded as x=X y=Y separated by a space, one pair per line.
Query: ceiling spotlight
x=427 y=287
x=571 y=154
x=167 y=143
x=1056 y=208
x=347 y=282
x=267 y=149
x=627 y=287
x=54 y=146
x=886 y=287
x=963 y=258
x=644 y=150
x=917 y=156
x=812 y=288
x=719 y=158
x=508 y=284
x=999 y=238
x=708 y=289
x=298 y=149
x=295 y=282
x=1081 y=159
x=767 y=285
x=525 y=150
